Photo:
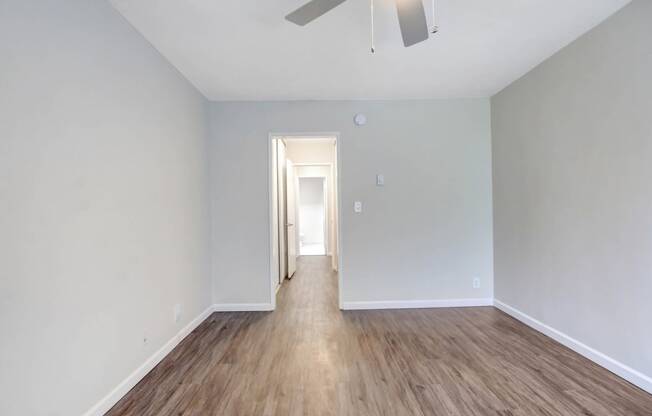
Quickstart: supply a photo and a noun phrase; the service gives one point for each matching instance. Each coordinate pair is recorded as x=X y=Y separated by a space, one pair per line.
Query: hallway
x=309 y=358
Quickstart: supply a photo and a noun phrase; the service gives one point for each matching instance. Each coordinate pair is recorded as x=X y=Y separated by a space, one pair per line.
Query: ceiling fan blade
x=312 y=10
x=412 y=18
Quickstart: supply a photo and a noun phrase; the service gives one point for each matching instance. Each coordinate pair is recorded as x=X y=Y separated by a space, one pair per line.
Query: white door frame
x=270 y=184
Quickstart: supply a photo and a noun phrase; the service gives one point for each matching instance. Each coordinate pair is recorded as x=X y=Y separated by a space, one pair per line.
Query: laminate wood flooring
x=309 y=358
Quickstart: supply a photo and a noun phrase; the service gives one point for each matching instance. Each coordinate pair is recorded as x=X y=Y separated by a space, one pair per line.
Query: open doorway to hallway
x=312 y=200
x=303 y=203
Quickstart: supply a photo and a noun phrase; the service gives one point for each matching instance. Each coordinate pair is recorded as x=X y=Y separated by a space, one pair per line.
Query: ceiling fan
x=411 y=17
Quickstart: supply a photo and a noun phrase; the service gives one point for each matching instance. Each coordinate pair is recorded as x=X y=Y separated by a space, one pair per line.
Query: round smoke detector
x=360 y=119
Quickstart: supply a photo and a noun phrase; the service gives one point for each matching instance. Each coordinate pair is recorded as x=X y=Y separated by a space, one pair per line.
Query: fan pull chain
x=373 y=46
x=435 y=28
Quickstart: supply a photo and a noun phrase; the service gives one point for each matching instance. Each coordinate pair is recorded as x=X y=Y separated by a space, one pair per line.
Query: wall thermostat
x=360 y=119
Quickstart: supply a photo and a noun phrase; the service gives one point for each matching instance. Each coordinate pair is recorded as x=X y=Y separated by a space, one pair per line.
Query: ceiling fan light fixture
x=411 y=17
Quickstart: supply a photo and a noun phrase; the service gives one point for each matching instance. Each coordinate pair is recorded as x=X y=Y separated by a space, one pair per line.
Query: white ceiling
x=245 y=50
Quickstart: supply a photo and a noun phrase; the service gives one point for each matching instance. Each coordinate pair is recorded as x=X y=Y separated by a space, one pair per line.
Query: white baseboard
x=123 y=388
x=417 y=304
x=242 y=307
x=633 y=376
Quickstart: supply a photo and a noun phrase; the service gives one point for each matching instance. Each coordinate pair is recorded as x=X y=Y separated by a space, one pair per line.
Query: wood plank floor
x=309 y=358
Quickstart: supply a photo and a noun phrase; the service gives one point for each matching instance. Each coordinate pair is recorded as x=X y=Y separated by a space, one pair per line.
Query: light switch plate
x=357 y=207
x=380 y=180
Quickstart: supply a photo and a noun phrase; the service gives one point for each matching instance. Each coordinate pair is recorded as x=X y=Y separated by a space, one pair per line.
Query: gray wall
x=103 y=204
x=572 y=148
x=423 y=236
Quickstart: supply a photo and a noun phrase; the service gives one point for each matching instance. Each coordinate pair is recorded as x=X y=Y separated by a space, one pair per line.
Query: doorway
x=304 y=204
x=313 y=222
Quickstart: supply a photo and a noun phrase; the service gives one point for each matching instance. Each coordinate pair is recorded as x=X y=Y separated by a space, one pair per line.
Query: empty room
x=325 y=207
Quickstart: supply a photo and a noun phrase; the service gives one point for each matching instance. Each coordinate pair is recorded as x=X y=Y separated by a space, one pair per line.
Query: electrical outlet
x=476 y=283
x=177 y=313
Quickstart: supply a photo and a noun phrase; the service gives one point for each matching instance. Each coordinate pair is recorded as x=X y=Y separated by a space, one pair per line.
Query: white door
x=290 y=220
x=276 y=231
x=282 y=249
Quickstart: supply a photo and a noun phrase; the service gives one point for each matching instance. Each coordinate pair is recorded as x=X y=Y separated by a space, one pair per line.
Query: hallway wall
x=311 y=151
